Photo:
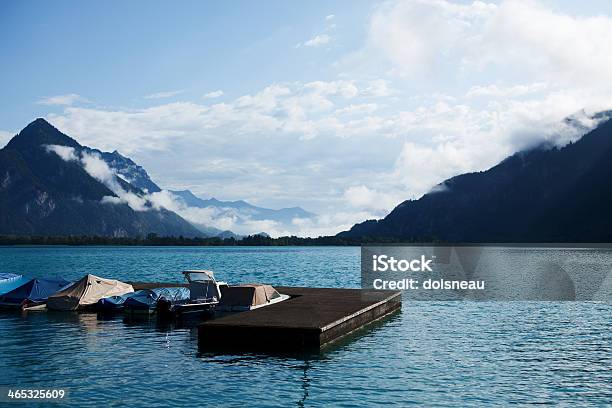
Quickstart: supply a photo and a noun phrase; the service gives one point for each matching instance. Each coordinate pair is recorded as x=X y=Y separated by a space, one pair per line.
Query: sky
x=345 y=108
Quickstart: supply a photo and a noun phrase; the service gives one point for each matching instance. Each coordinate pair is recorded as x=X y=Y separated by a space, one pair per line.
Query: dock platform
x=312 y=318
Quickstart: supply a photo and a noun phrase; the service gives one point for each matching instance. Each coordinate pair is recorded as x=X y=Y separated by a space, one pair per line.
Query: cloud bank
x=434 y=89
x=221 y=218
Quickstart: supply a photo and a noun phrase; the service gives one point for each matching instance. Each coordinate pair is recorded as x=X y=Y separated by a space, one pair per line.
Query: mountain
x=47 y=191
x=240 y=211
x=546 y=194
x=244 y=209
x=129 y=171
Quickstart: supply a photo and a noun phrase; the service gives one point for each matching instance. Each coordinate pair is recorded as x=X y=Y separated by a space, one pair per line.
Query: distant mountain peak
x=40 y=125
x=127 y=169
x=44 y=194
x=40 y=132
x=244 y=212
x=40 y=122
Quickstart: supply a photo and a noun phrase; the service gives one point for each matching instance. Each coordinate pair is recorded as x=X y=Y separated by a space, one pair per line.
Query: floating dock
x=310 y=319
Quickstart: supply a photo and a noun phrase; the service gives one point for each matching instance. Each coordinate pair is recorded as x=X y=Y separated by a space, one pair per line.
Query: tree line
x=156 y=240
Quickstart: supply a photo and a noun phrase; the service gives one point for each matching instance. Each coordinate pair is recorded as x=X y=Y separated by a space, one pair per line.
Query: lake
x=434 y=353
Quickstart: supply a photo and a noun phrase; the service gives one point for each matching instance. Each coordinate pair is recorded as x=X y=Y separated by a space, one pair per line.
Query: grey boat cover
x=249 y=294
x=87 y=291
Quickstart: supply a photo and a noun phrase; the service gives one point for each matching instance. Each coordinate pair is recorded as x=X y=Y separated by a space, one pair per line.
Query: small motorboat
x=204 y=294
x=33 y=294
x=85 y=293
x=250 y=296
x=113 y=304
x=145 y=301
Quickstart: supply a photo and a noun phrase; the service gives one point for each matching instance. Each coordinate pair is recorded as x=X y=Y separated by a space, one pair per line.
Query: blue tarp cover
x=114 y=302
x=35 y=290
x=148 y=298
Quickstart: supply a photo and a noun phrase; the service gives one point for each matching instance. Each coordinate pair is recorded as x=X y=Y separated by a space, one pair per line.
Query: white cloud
x=5 y=137
x=513 y=39
x=322 y=38
x=420 y=167
x=241 y=223
x=64 y=152
x=297 y=109
x=328 y=224
x=378 y=88
x=318 y=40
x=535 y=39
x=343 y=88
x=97 y=168
x=358 y=109
x=363 y=197
x=214 y=94
x=501 y=91
x=163 y=94
x=62 y=100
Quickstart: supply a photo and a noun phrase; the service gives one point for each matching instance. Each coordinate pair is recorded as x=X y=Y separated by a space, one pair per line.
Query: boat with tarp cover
x=145 y=301
x=204 y=294
x=113 y=304
x=85 y=293
x=33 y=294
x=249 y=296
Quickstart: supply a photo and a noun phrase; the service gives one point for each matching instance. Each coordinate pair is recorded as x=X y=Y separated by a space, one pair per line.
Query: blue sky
x=345 y=108
x=117 y=51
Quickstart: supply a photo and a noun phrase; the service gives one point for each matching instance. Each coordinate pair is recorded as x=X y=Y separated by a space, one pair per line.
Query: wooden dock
x=312 y=318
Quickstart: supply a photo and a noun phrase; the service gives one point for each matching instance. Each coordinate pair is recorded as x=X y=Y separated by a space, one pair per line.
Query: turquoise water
x=433 y=353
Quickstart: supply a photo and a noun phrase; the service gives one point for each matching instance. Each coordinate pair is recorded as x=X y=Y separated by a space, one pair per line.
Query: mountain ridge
x=545 y=194
x=43 y=194
x=240 y=210
x=256 y=212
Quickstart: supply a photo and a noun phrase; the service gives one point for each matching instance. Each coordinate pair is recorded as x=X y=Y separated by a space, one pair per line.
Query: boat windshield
x=199 y=276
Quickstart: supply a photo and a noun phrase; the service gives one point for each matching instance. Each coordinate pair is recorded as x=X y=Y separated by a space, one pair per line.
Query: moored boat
x=204 y=294
x=33 y=294
x=146 y=301
x=86 y=292
x=249 y=296
x=112 y=304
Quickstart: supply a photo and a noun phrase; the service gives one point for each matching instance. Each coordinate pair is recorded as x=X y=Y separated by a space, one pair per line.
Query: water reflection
x=305 y=384
x=303 y=362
